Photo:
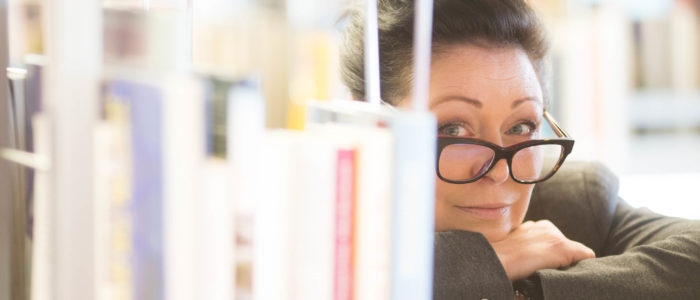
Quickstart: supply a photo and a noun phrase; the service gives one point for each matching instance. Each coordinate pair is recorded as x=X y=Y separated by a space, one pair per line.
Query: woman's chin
x=493 y=237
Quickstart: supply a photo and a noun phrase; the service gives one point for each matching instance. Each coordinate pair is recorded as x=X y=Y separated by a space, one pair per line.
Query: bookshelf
x=130 y=203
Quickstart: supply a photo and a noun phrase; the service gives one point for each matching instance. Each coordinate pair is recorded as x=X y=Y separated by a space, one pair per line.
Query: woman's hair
x=483 y=23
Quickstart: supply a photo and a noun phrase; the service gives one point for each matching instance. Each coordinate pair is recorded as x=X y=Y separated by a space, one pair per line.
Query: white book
x=373 y=213
x=413 y=229
x=215 y=233
x=313 y=217
x=371 y=206
x=295 y=218
x=272 y=254
x=343 y=142
x=112 y=198
x=42 y=249
x=184 y=144
x=244 y=136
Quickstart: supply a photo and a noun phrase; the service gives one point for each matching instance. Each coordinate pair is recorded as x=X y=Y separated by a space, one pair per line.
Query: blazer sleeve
x=466 y=267
x=641 y=254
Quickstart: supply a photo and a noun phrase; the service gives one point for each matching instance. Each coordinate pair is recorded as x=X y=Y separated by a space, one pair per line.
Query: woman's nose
x=499 y=173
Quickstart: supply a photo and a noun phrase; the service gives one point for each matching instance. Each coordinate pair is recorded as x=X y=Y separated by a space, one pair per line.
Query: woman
x=582 y=241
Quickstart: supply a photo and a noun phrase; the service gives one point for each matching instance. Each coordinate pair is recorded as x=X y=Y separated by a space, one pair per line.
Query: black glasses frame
x=564 y=140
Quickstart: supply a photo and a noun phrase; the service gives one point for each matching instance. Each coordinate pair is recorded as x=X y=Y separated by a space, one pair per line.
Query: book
x=653 y=40
x=42 y=246
x=413 y=218
x=684 y=46
x=18 y=99
x=412 y=188
x=164 y=115
x=214 y=246
x=33 y=106
x=272 y=255
x=344 y=216
x=313 y=216
x=184 y=141
x=362 y=208
x=112 y=192
x=245 y=129
x=217 y=93
x=138 y=227
x=372 y=224
x=154 y=36
x=17 y=134
x=25 y=19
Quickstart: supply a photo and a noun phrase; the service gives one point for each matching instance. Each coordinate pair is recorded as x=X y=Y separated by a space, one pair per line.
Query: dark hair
x=484 y=23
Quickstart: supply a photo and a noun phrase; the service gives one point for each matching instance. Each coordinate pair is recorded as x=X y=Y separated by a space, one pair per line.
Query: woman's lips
x=486 y=212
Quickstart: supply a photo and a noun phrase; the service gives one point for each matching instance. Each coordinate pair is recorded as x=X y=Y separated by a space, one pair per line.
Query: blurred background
x=626 y=84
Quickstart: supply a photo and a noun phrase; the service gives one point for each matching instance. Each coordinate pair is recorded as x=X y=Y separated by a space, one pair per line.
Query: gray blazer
x=640 y=254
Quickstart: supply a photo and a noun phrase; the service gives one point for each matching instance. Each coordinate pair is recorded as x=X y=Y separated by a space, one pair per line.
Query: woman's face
x=492 y=95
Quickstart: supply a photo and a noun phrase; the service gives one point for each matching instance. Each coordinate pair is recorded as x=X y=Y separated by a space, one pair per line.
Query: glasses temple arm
x=557 y=129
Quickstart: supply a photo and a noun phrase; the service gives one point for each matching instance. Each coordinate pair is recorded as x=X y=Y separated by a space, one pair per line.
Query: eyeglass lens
x=465 y=162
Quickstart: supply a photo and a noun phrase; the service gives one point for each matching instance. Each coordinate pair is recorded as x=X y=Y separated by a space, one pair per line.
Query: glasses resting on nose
x=465 y=160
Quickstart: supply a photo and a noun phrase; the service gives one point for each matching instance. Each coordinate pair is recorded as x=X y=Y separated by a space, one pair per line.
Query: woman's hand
x=537 y=245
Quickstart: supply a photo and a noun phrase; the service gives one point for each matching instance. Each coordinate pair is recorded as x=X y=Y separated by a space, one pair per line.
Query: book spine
x=245 y=128
x=33 y=107
x=114 y=224
x=413 y=206
x=183 y=139
x=147 y=196
x=41 y=275
x=273 y=236
x=345 y=195
x=215 y=240
x=372 y=223
x=684 y=46
x=144 y=208
x=314 y=219
x=136 y=220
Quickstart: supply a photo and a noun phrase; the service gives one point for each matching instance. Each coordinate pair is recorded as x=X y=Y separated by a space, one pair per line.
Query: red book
x=345 y=196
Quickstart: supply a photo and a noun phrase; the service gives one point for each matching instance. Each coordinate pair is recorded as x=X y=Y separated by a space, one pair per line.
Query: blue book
x=145 y=106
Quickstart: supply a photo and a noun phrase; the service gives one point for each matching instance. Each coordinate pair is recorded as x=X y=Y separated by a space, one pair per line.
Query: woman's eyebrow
x=468 y=100
x=522 y=100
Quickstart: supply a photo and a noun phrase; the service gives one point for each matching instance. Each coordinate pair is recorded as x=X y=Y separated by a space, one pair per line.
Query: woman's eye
x=525 y=128
x=453 y=130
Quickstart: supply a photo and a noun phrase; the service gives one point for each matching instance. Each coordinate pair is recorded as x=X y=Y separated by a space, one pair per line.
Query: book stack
x=316 y=214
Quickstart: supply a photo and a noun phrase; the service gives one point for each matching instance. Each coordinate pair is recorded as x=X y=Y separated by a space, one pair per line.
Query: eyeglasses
x=465 y=160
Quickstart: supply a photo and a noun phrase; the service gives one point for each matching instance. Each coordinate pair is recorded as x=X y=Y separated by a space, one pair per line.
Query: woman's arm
x=646 y=256
x=466 y=267
x=642 y=255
